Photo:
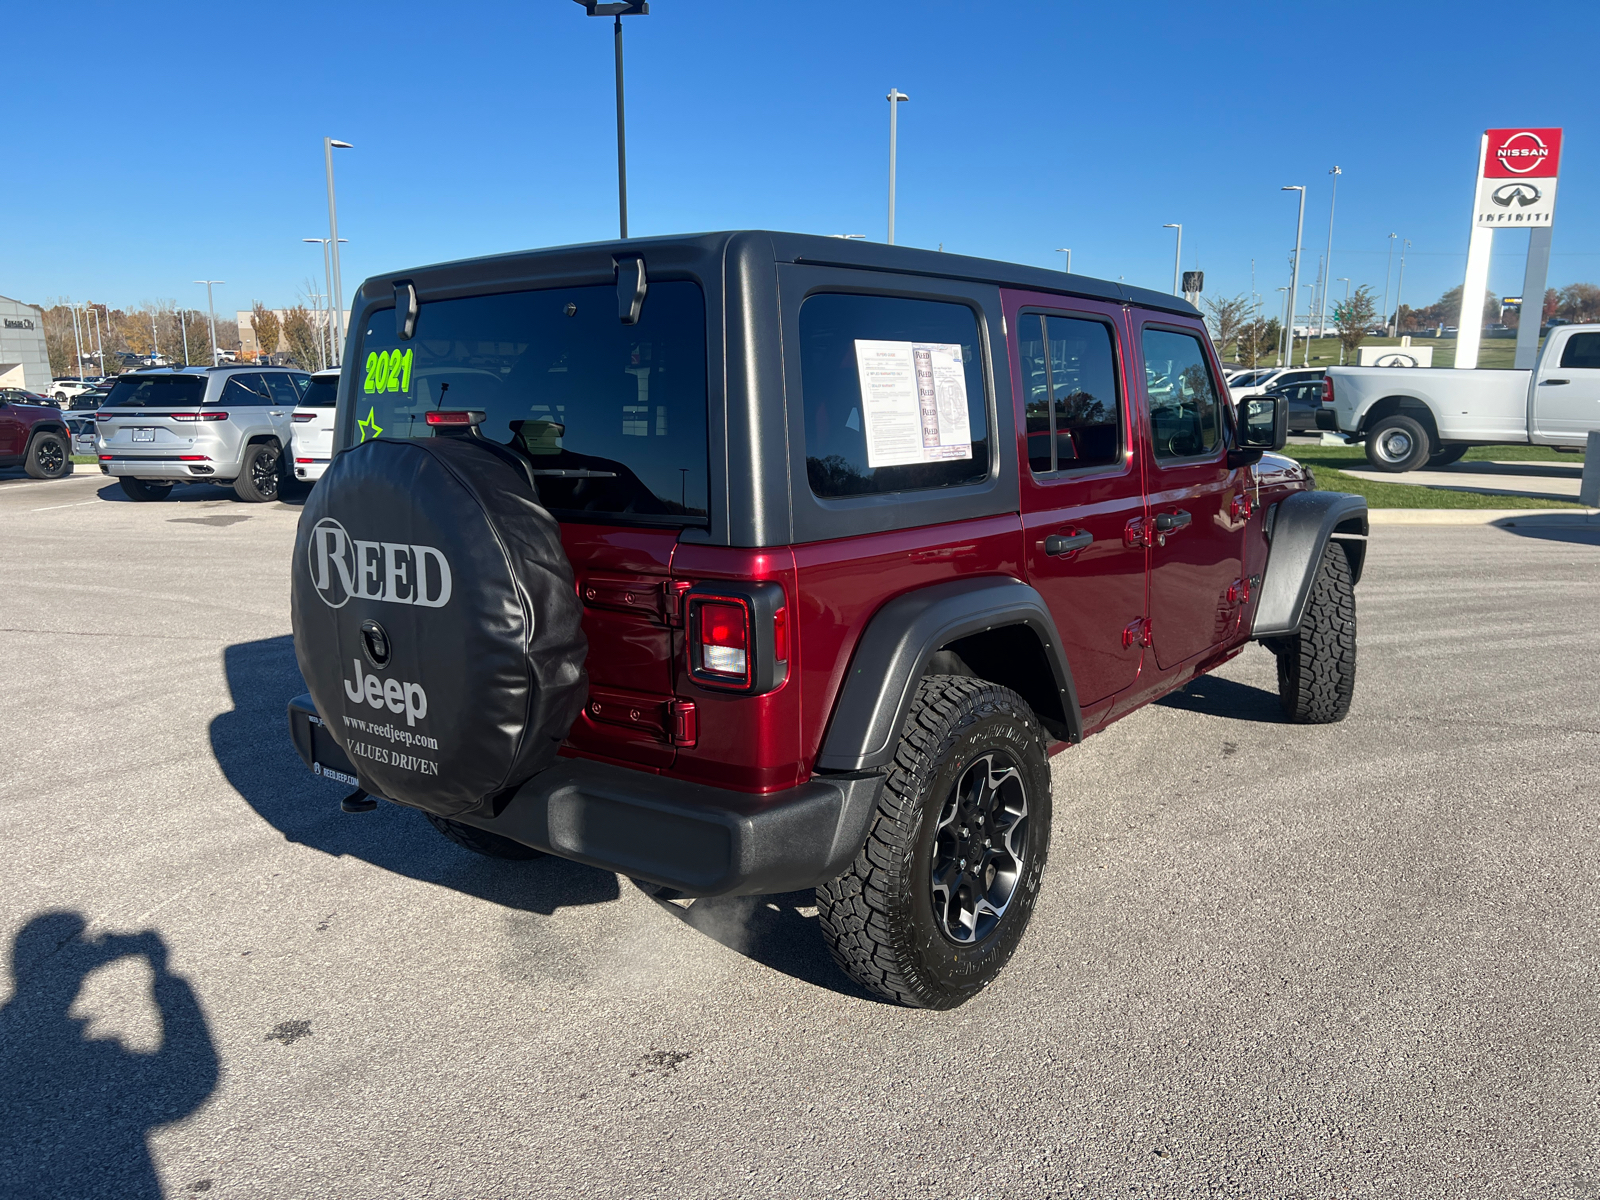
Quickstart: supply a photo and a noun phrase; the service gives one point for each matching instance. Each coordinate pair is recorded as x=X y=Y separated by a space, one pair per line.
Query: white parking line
x=75 y=504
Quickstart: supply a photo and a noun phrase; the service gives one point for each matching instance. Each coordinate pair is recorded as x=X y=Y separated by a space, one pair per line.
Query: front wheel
x=48 y=457
x=258 y=474
x=144 y=489
x=935 y=903
x=1317 y=663
x=1398 y=443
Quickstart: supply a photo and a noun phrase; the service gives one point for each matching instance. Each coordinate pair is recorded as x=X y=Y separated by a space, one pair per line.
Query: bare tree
x=1354 y=317
x=268 y=330
x=1226 y=315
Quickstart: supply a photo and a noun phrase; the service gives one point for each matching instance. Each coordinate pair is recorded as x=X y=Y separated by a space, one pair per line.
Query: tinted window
x=242 y=391
x=1082 y=425
x=282 y=391
x=157 y=391
x=922 y=420
x=612 y=416
x=1183 y=400
x=321 y=393
x=1582 y=351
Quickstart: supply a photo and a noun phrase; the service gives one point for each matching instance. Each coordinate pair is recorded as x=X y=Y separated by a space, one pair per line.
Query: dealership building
x=24 y=361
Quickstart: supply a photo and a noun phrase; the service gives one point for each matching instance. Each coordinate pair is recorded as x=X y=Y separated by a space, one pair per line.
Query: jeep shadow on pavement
x=756 y=563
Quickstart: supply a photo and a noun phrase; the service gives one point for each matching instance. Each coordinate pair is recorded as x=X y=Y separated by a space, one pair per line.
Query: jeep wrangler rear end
x=749 y=562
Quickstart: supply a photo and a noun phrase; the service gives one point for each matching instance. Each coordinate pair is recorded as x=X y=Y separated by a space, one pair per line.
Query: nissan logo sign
x=1520 y=194
x=393 y=572
x=1522 y=152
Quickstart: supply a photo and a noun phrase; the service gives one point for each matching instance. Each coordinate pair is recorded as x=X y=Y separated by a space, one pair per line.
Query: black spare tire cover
x=436 y=621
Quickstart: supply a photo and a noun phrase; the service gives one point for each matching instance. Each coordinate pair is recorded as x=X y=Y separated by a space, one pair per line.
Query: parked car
x=313 y=426
x=1410 y=418
x=81 y=431
x=1305 y=402
x=1272 y=378
x=33 y=436
x=748 y=562
x=67 y=387
x=90 y=400
x=227 y=425
x=23 y=396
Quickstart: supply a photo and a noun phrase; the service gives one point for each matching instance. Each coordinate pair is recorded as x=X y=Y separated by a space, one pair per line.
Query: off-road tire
x=879 y=917
x=1317 y=664
x=259 y=474
x=1398 y=443
x=144 y=489
x=1448 y=455
x=49 y=457
x=481 y=841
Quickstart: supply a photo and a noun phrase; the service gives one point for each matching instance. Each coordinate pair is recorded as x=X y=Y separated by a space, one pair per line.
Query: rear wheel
x=1447 y=456
x=48 y=457
x=1398 y=443
x=144 y=489
x=937 y=900
x=481 y=841
x=258 y=474
x=1317 y=663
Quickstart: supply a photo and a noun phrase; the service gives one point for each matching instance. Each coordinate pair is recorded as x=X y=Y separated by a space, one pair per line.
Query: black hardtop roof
x=798 y=248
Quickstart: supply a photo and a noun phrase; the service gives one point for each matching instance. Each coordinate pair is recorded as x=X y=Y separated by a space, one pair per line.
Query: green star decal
x=370 y=427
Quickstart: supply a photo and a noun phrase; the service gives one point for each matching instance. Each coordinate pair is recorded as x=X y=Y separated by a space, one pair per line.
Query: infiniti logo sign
x=1520 y=194
x=394 y=572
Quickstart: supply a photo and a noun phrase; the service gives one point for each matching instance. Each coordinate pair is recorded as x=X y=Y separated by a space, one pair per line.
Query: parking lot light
x=212 y=310
x=619 y=9
x=895 y=98
x=329 y=145
x=1068 y=253
x=1177 y=258
x=1294 y=275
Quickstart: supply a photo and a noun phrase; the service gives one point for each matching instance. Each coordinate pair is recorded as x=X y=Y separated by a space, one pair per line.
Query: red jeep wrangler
x=749 y=562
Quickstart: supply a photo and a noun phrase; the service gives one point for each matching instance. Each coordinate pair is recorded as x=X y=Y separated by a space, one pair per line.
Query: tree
x=1354 y=317
x=1257 y=339
x=268 y=330
x=1552 y=302
x=1580 y=302
x=303 y=338
x=1226 y=316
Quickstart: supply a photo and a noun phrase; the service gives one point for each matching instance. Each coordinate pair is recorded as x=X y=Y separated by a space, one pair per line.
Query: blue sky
x=195 y=143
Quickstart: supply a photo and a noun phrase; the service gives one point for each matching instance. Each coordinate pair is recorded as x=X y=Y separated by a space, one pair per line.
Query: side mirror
x=1263 y=422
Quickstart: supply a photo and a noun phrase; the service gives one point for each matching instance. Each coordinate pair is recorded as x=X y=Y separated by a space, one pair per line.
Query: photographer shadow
x=251 y=745
x=75 y=1111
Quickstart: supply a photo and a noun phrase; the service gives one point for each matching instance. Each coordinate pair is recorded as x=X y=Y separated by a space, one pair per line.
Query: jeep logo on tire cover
x=394 y=572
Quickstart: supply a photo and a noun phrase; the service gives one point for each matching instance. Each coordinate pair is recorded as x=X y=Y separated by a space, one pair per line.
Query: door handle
x=277 y=412
x=1552 y=382
x=1057 y=544
x=1172 y=522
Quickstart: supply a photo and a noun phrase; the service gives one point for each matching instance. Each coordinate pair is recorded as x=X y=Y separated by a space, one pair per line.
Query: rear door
x=1198 y=504
x=1566 y=391
x=1082 y=486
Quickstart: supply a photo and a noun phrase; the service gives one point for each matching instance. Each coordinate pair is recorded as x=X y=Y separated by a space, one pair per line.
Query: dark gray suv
x=229 y=425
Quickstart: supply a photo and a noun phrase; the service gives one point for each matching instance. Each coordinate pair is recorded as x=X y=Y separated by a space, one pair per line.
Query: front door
x=1082 y=487
x=1198 y=504
x=1566 y=393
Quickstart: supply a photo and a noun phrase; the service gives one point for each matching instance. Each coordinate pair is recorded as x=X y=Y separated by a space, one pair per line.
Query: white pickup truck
x=1411 y=417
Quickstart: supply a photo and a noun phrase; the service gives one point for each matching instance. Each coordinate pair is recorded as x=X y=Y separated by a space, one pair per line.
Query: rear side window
x=1070 y=389
x=243 y=391
x=893 y=393
x=1582 y=352
x=321 y=393
x=612 y=416
x=157 y=391
x=1184 y=417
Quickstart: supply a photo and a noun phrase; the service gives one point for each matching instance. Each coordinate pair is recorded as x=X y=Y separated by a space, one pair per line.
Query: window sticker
x=914 y=402
x=389 y=371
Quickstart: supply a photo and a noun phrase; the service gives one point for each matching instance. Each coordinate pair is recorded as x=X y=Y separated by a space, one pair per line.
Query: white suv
x=67 y=389
x=199 y=425
x=313 y=426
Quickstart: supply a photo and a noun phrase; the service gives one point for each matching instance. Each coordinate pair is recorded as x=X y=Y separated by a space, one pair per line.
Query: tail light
x=199 y=416
x=461 y=417
x=738 y=636
x=194 y=458
x=302 y=418
x=1327 y=389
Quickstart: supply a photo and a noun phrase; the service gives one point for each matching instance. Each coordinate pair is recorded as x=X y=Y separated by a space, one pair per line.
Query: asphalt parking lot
x=1268 y=961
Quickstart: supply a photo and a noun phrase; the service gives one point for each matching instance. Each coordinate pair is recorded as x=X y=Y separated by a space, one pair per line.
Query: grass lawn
x=1493 y=353
x=88 y=460
x=1326 y=461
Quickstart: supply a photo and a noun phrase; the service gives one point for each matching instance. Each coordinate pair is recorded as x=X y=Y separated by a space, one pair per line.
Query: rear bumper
x=310 y=470
x=166 y=467
x=696 y=840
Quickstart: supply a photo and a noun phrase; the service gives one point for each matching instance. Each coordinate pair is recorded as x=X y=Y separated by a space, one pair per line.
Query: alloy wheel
x=979 y=848
x=51 y=457
x=264 y=472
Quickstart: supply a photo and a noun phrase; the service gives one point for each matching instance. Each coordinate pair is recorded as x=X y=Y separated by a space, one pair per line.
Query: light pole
x=1294 y=275
x=1306 y=361
x=1068 y=253
x=327 y=297
x=1405 y=244
x=155 y=344
x=1177 y=258
x=183 y=328
x=895 y=97
x=619 y=9
x=1388 y=268
x=1277 y=350
x=1327 y=268
x=1346 y=283
x=212 y=310
x=329 y=145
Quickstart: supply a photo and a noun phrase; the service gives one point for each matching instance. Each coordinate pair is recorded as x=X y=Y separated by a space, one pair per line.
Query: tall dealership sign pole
x=1516 y=189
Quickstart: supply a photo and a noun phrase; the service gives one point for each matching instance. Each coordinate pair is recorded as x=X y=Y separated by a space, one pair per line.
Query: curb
x=1483 y=516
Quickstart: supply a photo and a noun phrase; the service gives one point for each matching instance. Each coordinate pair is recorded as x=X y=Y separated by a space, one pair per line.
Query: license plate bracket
x=144 y=435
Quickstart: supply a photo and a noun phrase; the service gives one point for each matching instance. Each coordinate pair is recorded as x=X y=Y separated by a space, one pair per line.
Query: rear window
x=322 y=393
x=157 y=391
x=612 y=416
x=893 y=393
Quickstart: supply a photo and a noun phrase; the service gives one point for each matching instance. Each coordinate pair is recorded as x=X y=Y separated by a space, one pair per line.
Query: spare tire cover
x=436 y=621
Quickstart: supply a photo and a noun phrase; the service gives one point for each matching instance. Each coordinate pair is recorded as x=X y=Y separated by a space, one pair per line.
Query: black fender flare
x=892 y=657
x=1298 y=529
